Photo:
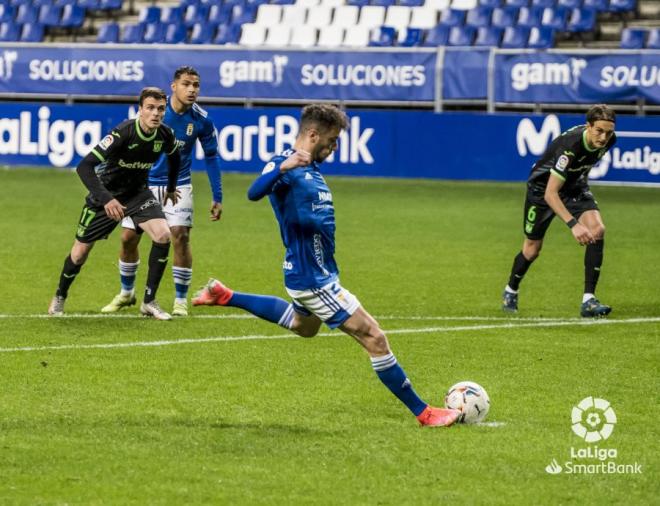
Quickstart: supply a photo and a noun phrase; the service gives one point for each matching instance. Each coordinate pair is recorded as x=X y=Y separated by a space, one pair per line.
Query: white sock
x=587 y=296
x=507 y=288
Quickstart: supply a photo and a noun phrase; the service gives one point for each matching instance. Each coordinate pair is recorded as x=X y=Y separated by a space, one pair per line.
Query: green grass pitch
x=215 y=412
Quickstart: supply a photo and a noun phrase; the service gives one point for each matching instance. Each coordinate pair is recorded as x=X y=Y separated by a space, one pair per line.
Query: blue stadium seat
x=554 y=18
x=171 y=15
x=64 y=3
x=491 y=3
x=72 y=16
x=382 y=3
x=108 y=33
x=9 y=32
x=412 y=38
x=110 y=5
x=544 y=3
x=6 y=13
x=359 y=3
x=32 y=32
x=255 y=3
x=653 y=39
x=383 y=36
x=529 y=17
x=219 y=15
x=185 y=3
x=622 y=5
x=478 y=17
x=240 y=2
x=599 y=5
x=149 y=15
x=241 y=14
x=515 y=37
x=196 y=14
x=411 y=3
x=283 y=2
x=488 y=36
x=175 y=33
x=17 y=3
x=41 y=3
x=569 y=4
x=633 y=38
x=227 y=34
x=132 y=34
x=89 y=5
x=461 y=36
x=202 y=33
x=26 y=14
x=437 y=36
x=50 y=15
x=517 y=3
x=503 y=17
x=452 y=17
x=154 y=33
x=582 y=20
x=541 y=38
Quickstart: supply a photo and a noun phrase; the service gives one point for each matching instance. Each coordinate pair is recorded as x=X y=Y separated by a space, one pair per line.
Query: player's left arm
x=174 y=165
x=209 y=140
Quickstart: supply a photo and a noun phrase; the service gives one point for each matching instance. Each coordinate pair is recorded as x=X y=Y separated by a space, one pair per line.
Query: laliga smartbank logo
x=593 y=420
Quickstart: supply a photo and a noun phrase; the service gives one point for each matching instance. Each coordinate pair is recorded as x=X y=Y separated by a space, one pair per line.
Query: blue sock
x=182 y=277
x=272 y=309
x=127 y=273
x=394 y=378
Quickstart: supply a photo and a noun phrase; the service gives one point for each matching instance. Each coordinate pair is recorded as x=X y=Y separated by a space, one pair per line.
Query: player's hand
x=114 y=210
x=172 y=196
x=298 y=159
x=582 y=235
x=216 y=211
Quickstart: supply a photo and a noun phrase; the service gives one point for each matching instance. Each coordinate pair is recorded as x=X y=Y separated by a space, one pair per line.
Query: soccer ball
x=470 y=399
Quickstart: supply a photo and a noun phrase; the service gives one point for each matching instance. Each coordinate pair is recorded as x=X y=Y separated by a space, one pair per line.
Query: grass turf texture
x=305 y=421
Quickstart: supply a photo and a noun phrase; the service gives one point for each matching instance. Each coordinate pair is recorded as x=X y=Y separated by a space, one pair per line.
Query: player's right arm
x=579 y=231
x=274 y=170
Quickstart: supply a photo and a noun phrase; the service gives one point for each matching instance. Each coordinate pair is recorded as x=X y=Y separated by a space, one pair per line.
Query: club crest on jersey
x=189 y=129
x=107 y=141
x=158 y=145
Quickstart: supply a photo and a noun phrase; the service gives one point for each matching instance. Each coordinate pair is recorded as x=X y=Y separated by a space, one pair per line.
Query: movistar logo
x=135 y=165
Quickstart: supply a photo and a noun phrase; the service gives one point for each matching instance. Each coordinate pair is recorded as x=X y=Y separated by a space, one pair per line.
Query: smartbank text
x=60 y=140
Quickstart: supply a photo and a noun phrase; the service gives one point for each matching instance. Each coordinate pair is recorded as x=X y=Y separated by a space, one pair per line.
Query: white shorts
x=332 y=303
x=179 y=215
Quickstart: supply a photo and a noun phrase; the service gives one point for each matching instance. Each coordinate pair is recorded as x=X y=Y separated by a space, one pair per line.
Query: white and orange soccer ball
x=470 y=399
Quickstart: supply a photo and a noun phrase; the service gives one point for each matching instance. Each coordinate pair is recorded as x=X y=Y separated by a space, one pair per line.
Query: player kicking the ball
x=303 y=206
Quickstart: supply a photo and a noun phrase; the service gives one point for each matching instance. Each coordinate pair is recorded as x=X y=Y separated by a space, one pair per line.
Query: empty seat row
x=103 y=5
x=13 y=32
x=47 y=15
x=640 y=38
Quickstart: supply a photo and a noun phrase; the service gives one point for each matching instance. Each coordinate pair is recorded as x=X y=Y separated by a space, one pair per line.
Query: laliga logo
x=593 y=419
x=528 y=139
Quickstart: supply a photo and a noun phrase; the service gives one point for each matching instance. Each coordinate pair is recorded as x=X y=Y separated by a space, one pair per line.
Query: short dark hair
x=185 y=69
x=153 y=92
x=600 y=112
x=323 y=116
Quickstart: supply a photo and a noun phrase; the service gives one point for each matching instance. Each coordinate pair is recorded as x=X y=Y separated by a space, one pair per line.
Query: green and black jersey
x=122 y=160
x=569 y=158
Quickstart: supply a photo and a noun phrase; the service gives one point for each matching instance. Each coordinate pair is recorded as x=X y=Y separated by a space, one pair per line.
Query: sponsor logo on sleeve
x=268 y=168
x=562 y=162
x=106 y=142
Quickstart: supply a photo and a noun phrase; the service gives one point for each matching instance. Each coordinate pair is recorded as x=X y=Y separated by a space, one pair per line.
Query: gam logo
x=7 y=60
x=532 y=141
x=253 y=71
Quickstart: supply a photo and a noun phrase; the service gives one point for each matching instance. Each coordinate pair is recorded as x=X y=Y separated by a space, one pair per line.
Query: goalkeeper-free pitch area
x=220 y=408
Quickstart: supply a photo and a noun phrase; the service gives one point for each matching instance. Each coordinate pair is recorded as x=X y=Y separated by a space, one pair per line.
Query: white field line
x=40 y=316
x=426 y=330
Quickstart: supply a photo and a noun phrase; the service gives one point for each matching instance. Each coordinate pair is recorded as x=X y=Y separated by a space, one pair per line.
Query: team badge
x=562 y=162
x=158 y=145
x=189 y=129
x=107 y=141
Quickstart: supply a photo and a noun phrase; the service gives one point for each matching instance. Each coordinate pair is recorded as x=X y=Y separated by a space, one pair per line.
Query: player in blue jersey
x=189 y=123
x=304 y=208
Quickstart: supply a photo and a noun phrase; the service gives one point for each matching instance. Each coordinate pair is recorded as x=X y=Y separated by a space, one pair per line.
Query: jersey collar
x=141 y=134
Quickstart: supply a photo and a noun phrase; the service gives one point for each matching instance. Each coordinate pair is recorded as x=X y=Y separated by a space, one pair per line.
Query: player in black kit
x=115 y=172
x=558 y=185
